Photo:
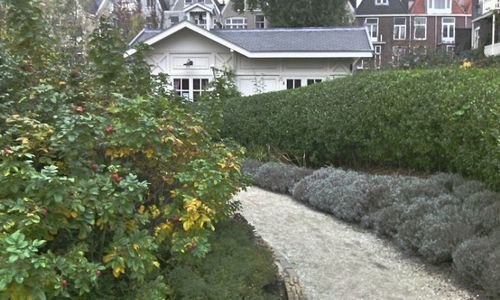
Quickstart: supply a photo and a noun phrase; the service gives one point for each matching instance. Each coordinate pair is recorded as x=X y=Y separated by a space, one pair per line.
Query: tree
x=297 y=13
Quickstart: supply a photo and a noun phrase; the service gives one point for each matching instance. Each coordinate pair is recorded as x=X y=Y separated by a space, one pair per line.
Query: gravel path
x=338 y=261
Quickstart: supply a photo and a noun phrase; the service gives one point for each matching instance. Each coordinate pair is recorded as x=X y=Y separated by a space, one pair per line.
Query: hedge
x=427 y=120
x=443 y=218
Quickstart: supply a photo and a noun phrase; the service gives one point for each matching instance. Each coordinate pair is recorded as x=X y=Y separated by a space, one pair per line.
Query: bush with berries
x=104 y=180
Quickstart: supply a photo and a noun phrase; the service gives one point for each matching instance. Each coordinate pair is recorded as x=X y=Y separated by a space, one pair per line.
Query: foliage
x=427 y=120
x=236 y=268
x=103 y=181
x=279 y=177
x=439 y=218
x=210 y=105
x=297 y=13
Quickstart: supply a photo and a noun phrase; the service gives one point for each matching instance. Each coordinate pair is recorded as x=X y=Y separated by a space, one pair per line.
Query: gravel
x=336 y=260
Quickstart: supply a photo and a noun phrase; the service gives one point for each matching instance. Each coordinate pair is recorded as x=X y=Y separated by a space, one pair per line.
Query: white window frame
x=415 y=26
x=189 y=93
x=431 y=7
x=258 y=23
x=381 y=2
x=230 y=24
x=311 y=81
x=295 y=83
x=378 y=49
x=372 y=28
x=399 y=31
x=475 y=37
x=448 y=30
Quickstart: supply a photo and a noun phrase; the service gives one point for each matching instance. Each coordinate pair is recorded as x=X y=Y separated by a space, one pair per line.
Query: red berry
x=116 y=177
x=44 y=211
x=93 y=166
x=64 y=282
x=109 y=129
x=80 y=109
x=98 y=273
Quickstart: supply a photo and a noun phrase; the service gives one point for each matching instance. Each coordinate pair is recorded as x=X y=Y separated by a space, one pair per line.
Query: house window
x=448 y=30
x=450 y=48
x=260 y=21
x=174 y=20
x=188 y=2
x=439 y=4
x=381 y=2
x=420 y=26
x=399 y=28
x=236 y=23
x=199 y=85
x=378 y=50
x=313 y=81
x=190 y=89
x=372 y=24
x=293 y=83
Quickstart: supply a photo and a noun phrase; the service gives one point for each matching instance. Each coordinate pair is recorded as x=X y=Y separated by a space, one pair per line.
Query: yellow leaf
x=109 y=257
x=187 y=225
x=118 y=270
x=141 y=209
x=136 y=247
x=156 y=264
x=73 y=214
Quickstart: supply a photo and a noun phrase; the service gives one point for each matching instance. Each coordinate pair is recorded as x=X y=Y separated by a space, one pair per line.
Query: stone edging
x=294 y=288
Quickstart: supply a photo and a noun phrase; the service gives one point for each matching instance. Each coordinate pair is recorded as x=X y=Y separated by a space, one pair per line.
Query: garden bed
x=442 y=218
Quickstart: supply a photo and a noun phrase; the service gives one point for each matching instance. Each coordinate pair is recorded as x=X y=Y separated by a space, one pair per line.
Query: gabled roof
x=197 y=5
x=368 y=7
x=419 y=7
x=277 y=43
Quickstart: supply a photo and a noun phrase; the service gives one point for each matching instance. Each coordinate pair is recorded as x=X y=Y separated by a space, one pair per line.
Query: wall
x=251 y=75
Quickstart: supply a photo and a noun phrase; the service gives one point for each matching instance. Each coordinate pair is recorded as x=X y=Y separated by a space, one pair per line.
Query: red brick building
x=401 y=27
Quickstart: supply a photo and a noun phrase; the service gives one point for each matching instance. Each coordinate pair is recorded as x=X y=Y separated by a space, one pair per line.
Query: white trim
x=192 y=6
x=136 y=37
x=413 y=15
x=420 y=25
x=185 y=24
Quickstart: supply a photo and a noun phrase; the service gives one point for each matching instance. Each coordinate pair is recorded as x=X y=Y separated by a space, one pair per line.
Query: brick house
x=401 y=27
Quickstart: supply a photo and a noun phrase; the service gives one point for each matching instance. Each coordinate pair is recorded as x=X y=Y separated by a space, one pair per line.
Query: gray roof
x=340 y=39
x=298 y=39
x=144 y=35
x=368 y=7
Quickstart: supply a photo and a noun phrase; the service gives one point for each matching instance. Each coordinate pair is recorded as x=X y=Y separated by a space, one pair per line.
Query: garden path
x=335 y=260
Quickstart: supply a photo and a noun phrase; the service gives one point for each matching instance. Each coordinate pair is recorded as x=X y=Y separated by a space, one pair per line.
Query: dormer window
x=381 y=2
x=438 y=6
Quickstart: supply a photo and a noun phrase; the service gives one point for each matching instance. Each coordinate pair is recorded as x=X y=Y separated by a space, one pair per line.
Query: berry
x=98 y=273
x=109 y=129
x=80 y=109
x=44 y=211
x=93 y=166
x=64 y=283
x=116 y=177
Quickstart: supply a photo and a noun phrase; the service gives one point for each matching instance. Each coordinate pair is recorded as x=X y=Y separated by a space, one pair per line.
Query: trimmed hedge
x=429 y=120
x=440 y=218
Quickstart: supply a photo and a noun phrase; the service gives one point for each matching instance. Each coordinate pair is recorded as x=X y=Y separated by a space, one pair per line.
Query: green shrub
x=236 y=268
x=429 y=120
x=279 y=177
x=103 y=181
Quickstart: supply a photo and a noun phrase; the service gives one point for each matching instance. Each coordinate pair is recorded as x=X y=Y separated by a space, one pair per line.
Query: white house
x=261 y=60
